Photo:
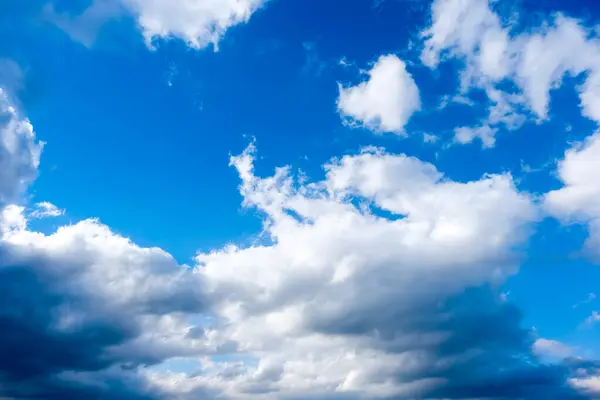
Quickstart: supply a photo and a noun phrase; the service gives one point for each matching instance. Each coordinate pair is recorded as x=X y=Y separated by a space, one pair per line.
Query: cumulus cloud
x=577 y=200
x=467 y=28
x=84 y=306
x=197 y=22
x=386 y=101
x=377 y=281
x=374 y=283
x=83 y=309
x=535 y=62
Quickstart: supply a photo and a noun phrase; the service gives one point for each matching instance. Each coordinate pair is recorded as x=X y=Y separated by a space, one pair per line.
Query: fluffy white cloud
x=467 y=28
x=197 y=22
x=577 y=201
x=547 y=56
x=484 y=133
x=361 y=291
x=373 y=282
x=535 y=62
x=19 y=152
x=386 y=101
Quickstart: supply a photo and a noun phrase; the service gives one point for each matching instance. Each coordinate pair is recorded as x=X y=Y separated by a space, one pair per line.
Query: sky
x=299 y=199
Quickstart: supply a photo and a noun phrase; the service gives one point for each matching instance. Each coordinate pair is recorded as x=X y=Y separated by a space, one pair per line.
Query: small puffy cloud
x=577 y=200
x=429 y=138
x=46 y=209
x=485 y=134
x=386 y=101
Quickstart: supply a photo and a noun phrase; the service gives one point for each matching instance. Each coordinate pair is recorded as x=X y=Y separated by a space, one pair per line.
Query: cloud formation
x=380 y=281
x=19 y=152
x=386 y=101
x=577 y=200
x=374 y=282
x=534 y=62
x=198 y=23
x=377 y=284
x=83 y=309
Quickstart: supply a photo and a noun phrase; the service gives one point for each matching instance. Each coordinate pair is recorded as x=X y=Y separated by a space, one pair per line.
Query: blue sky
x=162 y=123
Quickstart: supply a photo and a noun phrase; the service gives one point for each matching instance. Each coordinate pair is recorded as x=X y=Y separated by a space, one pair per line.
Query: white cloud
x=485 y=133
x=429 y=138
x=373 y=284
x=577 y=200
x=91 y=303
x=467 y=29
x=341 y=286
x=199 y=23
x=19 y=152
x=546 y=57
x=386 y=101
x=535 y=62
x=46 y=209
x=12 y=219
